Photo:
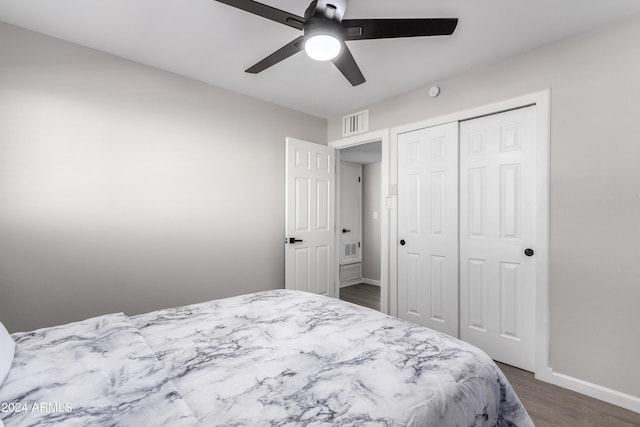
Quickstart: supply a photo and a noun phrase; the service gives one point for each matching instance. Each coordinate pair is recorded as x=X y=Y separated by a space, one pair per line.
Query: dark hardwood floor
x=547 y=404
x=550 y=405
x=362 y=294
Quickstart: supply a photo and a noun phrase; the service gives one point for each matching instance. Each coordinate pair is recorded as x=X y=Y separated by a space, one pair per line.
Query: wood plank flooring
x=362 y=294
x=550 y=405
x=547 y=404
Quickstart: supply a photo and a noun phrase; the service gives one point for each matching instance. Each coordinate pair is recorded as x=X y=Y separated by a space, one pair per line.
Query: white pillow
x=7 y=350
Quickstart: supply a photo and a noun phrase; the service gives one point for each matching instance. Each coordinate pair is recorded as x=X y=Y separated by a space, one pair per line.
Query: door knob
x=293 y=240
x=529 y=252
x=344 y=230
x=402 y=242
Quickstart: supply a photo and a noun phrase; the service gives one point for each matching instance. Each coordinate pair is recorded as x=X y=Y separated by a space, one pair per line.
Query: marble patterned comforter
x=98 y=372
x=284 y=358
x=275 y=358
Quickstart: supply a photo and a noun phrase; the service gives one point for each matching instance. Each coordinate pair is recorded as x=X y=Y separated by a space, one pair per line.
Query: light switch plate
x=389 y=202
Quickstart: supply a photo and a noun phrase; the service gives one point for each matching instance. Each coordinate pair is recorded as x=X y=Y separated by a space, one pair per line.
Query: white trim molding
x=371 y=282
x=350 y=283
x=596 y=391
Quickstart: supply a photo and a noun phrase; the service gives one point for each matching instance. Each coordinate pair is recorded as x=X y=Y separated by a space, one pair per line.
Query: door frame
x=542 y=101
x=386 y=213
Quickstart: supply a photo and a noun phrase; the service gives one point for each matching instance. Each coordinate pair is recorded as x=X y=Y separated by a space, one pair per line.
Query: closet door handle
x=402 y=242
x=344 y=230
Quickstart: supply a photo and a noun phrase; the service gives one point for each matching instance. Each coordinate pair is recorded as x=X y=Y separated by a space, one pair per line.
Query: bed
x=274 y=358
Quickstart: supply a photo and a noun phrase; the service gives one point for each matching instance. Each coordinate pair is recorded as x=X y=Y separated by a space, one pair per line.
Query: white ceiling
x=215 y=43
x=363 y=153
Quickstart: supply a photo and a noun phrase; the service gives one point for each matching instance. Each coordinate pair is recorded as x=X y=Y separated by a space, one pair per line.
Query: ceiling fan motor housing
x=322 y=21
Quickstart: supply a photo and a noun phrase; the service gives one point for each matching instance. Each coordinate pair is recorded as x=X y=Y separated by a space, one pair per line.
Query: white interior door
x=497 y=224
x=428 y=227
x=350 y=212
x=309 y=217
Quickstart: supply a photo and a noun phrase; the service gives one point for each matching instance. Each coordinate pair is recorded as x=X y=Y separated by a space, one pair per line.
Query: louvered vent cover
x=350 y=273
x=350 y=249
x=355 y=123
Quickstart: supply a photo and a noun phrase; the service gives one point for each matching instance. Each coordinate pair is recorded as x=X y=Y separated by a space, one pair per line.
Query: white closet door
x=428 y=227
x=309 y=217
x=497 y=224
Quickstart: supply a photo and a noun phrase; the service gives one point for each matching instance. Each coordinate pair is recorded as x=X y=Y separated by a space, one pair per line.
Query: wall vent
x=355 y=123
x=350 y=273
x=350 y=250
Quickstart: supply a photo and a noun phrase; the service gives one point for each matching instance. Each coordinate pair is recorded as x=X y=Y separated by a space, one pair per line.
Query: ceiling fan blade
x=268 y=12
x=279 y=55
x=363 y=29
x=348 y=67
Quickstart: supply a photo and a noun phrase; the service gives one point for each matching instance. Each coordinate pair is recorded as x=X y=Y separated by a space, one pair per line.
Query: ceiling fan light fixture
x=325 y=33
x=322 y=47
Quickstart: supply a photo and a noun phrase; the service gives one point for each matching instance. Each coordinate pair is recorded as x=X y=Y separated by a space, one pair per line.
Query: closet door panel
x=497 y=224
x=428 y=227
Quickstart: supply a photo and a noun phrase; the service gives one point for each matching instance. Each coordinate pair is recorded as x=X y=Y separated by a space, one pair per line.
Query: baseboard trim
x=371 y=282
x=349 y=283
x=596 y=391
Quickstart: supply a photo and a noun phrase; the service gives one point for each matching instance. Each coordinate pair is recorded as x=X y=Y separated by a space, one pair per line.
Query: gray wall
x=371 y=202
x=125 y=188
x=595 y=187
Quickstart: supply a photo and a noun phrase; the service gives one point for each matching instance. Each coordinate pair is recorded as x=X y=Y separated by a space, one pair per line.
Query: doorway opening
x=362 y=220
x=358 y=221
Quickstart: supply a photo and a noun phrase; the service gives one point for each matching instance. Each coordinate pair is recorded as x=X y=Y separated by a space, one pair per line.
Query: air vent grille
x=350 y=249
x=350 y=273
x=355 y=123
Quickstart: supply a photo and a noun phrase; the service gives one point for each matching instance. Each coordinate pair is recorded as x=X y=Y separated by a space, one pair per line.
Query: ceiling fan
x=325 y=32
